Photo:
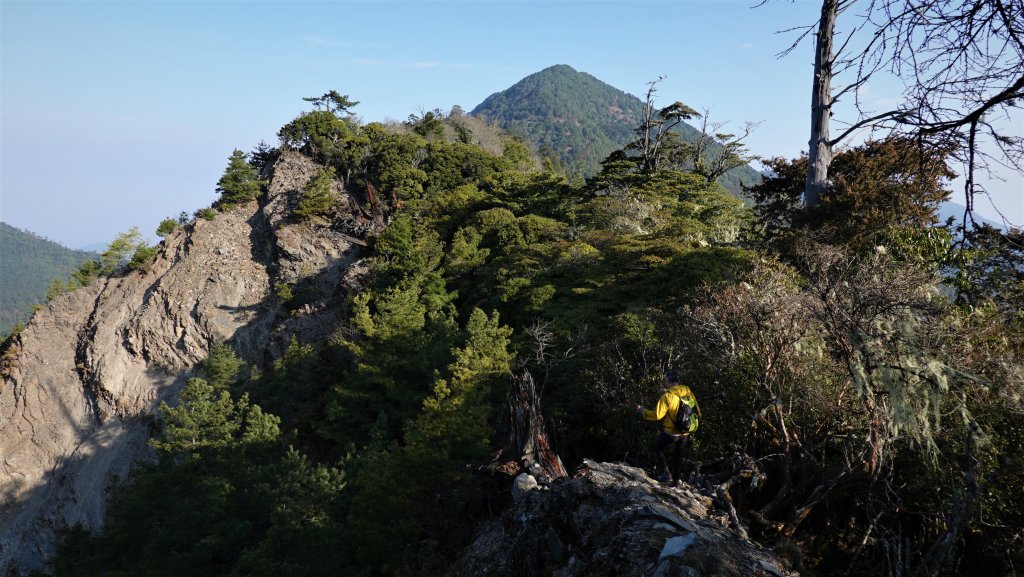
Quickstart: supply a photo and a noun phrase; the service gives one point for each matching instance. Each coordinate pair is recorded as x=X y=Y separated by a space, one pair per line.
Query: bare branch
x=894 y=114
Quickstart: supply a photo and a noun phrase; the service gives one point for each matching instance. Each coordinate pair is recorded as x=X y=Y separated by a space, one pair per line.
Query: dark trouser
x=670 y=450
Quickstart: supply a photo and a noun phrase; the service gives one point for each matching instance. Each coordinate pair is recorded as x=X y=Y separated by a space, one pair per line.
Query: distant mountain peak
x=567 y=113
x=578 y=119
x=558 y=68
x=566 y=71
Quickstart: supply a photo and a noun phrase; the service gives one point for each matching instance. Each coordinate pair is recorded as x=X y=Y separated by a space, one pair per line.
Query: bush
x=87 y=272
x=284 y=291
x=167 y=226
x=58 y=287
x=318 y=133
x=142 y=258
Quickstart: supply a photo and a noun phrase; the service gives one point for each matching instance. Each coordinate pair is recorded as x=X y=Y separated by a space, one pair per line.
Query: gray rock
x=612 y=520
x=676 y=546
x=522 y=485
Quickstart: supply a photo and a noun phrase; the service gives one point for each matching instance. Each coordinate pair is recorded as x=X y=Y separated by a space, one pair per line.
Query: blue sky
x=122 y=113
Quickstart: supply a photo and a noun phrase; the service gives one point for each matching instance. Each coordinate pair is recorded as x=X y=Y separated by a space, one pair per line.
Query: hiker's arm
x=659 y=411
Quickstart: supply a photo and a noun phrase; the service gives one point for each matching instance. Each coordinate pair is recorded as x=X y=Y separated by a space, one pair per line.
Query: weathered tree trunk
x=819 y=152
x=523 y=443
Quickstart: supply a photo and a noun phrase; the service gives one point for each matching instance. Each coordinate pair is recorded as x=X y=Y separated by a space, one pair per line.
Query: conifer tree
x=113 y=260
x=240 y=182
x=390 y=504
x=222 y=367
x=317 y=196
x=209 y=419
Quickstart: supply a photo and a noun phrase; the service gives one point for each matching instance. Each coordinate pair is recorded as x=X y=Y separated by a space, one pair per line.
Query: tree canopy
x=868 y=362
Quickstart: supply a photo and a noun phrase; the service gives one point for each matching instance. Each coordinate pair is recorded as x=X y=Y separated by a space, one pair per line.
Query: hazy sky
x=123 y=113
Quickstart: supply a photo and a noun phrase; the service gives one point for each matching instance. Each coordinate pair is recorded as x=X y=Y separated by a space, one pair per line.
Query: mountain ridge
x=341 y=357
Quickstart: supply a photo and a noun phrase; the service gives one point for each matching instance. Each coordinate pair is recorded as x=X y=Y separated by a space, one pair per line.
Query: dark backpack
x=683 y=414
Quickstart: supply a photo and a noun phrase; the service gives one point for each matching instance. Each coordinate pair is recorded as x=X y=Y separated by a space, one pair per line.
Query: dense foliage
x=869 y=363
x=27 y=265
x=579 y=120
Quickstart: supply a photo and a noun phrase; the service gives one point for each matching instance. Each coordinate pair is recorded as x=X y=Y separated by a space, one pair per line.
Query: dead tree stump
x=523 y=445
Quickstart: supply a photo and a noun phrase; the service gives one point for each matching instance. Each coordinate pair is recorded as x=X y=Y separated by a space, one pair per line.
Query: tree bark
x=819 y=152
x=523 y=444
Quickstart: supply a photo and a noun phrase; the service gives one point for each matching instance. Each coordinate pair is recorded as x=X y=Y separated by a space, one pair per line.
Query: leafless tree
x=962 y=64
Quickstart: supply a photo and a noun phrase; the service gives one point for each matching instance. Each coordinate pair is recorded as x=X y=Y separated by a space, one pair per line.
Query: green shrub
x=284 y=291
x=167 y=226
x=317 y=196
x=142 y=258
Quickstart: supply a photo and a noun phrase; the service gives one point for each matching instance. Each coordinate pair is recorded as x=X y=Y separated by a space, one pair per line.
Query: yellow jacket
x=668 y=406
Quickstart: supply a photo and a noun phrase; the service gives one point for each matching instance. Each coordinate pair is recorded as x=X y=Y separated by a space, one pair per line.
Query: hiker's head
x=672 y=377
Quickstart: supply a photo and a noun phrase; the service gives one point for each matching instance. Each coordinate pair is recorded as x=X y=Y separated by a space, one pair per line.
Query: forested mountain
x=580 y=120
x=348 y=364
x=28 y=264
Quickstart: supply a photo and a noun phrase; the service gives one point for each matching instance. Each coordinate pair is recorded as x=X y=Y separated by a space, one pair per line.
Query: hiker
x=679 y=415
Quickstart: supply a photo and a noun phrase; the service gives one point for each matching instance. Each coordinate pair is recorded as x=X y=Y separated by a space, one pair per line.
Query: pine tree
x=317 y=196
x=167 y=226
x=203 y=420
x=240 y=182
x=119 y=251
x=208 y=419
x=450 y=431
x=223 y=367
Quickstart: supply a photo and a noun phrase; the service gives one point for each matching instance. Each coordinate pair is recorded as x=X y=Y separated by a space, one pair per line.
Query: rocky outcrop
x=613 y=520
x=81 y=384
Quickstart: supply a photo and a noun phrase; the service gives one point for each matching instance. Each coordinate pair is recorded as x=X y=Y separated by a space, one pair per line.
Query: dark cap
x=672 y=376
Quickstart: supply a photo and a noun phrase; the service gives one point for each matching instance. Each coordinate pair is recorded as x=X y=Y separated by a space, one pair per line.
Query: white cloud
x=326 y=42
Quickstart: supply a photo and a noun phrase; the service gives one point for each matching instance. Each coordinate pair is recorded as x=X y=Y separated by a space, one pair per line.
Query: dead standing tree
x=962 y=65
x=523 y=444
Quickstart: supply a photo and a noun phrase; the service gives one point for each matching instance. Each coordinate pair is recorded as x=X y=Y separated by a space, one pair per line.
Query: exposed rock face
x=78 y=398
x=613 y=520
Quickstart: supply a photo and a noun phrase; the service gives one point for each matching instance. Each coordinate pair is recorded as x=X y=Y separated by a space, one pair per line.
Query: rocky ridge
x=613 y=520
x=81 y=384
